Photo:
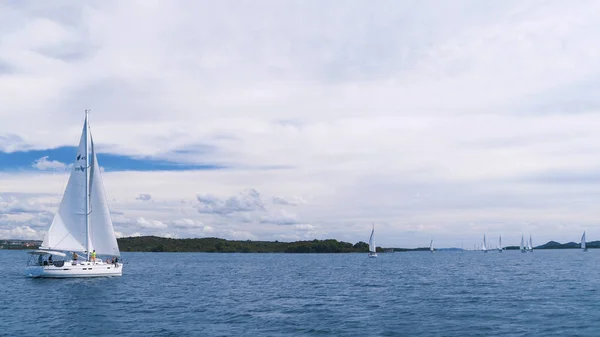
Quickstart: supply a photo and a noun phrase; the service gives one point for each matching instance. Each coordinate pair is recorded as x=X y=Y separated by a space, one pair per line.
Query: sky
x=292 y=120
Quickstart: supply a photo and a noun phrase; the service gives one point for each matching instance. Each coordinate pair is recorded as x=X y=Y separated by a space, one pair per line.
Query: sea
x=544 y=293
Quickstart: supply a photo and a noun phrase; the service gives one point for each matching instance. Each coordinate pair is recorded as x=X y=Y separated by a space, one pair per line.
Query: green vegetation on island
x=216 y=245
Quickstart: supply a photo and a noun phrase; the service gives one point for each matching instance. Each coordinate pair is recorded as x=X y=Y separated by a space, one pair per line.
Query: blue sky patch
x=23 y=160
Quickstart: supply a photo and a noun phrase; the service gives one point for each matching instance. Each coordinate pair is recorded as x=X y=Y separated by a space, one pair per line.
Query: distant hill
x=568 y=245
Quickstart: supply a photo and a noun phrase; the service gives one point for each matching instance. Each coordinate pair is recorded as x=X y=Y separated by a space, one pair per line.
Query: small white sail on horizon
x=372 y=247
x=500 y=244
x=530 y=245
x=484 y=246
x=431 y=246
x=82 y=223
x=583 y=246
x=522 y=246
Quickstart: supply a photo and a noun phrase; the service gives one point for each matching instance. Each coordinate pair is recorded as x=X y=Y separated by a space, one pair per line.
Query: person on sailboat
x=40 y=260
x=50 y=259
x=75 y=256
x=94 y=256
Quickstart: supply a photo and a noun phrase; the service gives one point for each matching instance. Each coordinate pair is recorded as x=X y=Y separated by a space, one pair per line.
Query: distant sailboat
x=372 y=247
x=484 y=246
x=431 y=246
x=583 y=247
x=530 y=245
x=500 y=244
x=522 y=246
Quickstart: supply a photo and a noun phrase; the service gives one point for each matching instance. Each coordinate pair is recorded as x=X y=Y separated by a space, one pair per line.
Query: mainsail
x=71 y=229
x=522 y=247
x=68 y=229
x=530 y=244
x=484 y=247
x=583 y=241
x=372 y=240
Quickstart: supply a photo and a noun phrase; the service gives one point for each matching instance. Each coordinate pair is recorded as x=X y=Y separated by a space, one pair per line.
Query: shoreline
x=218 y=245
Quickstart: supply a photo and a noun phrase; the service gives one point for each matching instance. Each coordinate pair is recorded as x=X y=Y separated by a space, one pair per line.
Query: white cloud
x=144 y=197
x=442 y=121
x=279 y=218
x=304 y=227
x=21 y=232
x=150 y=224
x=294 y=201
x=248 y=201
x=49 y=165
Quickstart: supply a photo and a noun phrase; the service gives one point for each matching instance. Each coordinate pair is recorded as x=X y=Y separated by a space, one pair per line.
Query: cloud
x=186 y=223
x=295 y=201
x=23 y=232
x=247 y=201
x=24 y=204
x=144 y=197
x=279 y=218
x=304 y=227
x=150 y=224
x=49 y=165
x=443 y=122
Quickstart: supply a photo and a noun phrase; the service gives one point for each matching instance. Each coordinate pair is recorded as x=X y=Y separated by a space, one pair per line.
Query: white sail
x=484 y=246
x=500 y=242
x=102 y=234
x=431 y=245
x=372 y=240
x=530 y=244
x=583 y=241
x=522 y=243
x=68 y=229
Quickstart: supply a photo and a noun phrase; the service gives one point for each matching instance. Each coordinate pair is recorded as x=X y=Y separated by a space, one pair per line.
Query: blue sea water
x=544 y=293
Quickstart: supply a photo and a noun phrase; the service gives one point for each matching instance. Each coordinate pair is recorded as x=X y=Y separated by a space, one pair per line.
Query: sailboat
x=431 y=246
x=530 y=245
x=372 y=247
x=483 y=247
x=500 y=244
x=583 y=247
x=81 y=225
x=522 y=246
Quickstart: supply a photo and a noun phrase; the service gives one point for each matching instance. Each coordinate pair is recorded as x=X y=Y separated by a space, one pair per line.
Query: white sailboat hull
x=372 y=254
x=68 y=270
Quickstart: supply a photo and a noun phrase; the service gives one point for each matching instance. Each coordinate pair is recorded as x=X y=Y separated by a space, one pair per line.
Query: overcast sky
x=287 y=120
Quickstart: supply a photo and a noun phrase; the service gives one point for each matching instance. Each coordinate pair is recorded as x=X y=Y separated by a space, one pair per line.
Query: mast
x=87 y=188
